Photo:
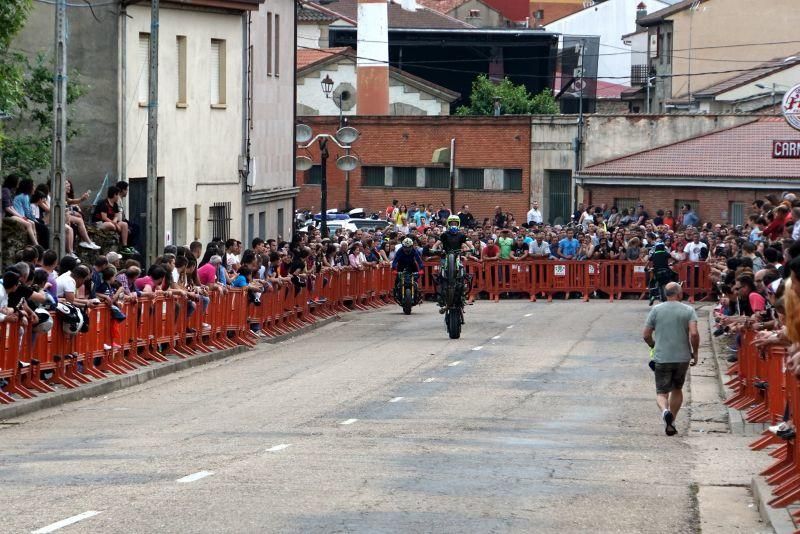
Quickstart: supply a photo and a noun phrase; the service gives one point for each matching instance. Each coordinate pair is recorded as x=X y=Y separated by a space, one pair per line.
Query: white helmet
x=408 y=242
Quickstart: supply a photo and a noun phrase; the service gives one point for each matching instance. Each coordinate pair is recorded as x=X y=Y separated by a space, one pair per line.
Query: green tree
x=27 y=146
x=514 y=99
x=12 y=17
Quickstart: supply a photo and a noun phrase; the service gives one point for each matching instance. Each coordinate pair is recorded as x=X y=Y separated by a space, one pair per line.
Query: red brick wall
x=484 y=142
x=713 y=203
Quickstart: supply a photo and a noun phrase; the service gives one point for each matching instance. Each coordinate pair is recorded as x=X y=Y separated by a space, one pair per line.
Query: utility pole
x=323 y=186
x=57 y=189
x=453 y=176
x=152 y=141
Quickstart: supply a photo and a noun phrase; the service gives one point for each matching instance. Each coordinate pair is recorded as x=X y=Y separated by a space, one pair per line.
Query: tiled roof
x=307 y=57
x=743 y=152
x=423 y=17
x=305 y=14
x=608 y=90
x=515 y=10
x=751 y=76
x=312 y=59
x=442 y=6
x=658 y=16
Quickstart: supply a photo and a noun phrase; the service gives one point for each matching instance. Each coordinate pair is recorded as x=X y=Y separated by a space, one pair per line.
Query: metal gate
x=137 y=211
x=219 y=215
x=559 y=196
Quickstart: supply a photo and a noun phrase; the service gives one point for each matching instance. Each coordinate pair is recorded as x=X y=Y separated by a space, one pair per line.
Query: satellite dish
x=347 y=163
x=302 y=133
x=347 y=135
x=303 y=163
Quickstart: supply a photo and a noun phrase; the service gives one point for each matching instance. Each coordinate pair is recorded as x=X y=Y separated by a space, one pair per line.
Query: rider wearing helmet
x=659 y=263
x=407 y=258
x=452 y=240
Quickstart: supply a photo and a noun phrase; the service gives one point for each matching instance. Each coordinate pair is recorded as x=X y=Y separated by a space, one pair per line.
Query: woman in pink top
x=207 y=274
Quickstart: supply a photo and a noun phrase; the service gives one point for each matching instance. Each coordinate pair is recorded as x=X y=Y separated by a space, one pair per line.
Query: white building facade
x=610 y=20
x=268 y=202
x=200 y=119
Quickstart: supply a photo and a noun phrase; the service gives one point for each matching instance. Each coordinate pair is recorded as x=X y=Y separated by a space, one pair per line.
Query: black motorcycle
x=453 y=294
x=407 y=293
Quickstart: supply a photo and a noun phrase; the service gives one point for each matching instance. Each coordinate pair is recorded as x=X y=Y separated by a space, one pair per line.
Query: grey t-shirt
x=671 y=323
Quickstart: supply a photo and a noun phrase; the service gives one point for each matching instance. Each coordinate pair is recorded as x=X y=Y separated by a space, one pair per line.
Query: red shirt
x=491 y=251
x=207 y=274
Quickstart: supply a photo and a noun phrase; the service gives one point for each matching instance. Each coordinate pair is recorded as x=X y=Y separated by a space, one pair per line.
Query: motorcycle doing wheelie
x=453 y=290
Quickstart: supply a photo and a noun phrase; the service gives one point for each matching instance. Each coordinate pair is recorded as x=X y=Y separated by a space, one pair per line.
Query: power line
x=424 y=65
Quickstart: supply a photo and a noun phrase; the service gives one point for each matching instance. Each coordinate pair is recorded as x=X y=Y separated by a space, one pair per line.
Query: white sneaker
x=779 y=428
x=90 y=245
x=205 y=326
x=71 y=255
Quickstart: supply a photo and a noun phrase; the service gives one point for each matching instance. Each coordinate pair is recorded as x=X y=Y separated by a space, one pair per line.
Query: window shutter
x=144 y=66
x=215 y=68
x=277 y=45
x=180 y=43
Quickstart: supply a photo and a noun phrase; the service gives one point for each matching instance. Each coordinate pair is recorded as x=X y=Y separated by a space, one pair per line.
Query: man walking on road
x=676 y=344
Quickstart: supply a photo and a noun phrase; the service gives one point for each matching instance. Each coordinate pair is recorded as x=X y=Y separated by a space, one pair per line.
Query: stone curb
x=778 y=518
x=144 y=374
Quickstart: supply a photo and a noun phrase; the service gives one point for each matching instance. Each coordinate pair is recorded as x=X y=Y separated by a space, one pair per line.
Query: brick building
x=719 y=174
x=492 y=161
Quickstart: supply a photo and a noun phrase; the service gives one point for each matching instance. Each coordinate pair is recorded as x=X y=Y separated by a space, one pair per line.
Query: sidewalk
x=730 y=497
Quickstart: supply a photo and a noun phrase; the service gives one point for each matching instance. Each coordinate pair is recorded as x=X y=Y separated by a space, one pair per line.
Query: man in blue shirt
x=690 y=218
x=568 y=247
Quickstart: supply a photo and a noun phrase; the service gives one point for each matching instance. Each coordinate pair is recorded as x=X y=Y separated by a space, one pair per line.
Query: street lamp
x=774 y=90
x=343 y=138
x=327 y=89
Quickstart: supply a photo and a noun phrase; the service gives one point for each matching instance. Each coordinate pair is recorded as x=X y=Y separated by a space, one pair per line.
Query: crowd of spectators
x=28 y=205
x=748 y=263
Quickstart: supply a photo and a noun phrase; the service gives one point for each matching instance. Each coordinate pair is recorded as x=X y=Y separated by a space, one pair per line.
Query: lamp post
x=343 y=138
x=774 y=90
x=327 y=88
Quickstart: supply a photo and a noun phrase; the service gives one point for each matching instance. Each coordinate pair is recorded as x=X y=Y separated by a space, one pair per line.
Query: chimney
x=373 y=57
x=641 y=10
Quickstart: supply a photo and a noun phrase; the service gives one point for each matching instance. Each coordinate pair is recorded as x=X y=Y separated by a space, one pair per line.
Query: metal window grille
x=405 y=177
x=512 y=180
x=437 y=178
x=314 y=176
x=626 y=203
x=373 y=176
x=470 y=179
x=639 y=74
x=737 y=213
x=219 y=215
x=679 y=202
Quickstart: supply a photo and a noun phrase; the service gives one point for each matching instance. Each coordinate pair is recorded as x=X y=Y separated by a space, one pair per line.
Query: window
x=512 y=180
x=217 y=77
x=437 y=178
x=668 y=48
x=262 y=224
x=144 y=68
x=373 y=176
x=277 y=45
x=314 y=176
x=679 y=202
x=280 y=223
x=470 y=179
x=219 y=215
x=269 y=43
x=179 y=226
x=251 y=222
x=405 y=177
x=626 y=203
x=737 y=213
x=180 y=43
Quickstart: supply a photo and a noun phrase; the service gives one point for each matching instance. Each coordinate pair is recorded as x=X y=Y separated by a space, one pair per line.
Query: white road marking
x=496 y=337
x=430 y=379
x=280 y=447
x=528 y=314
x=509 y=327
x=397 y=399
x=479 y=347
x=348 y=422
x=453 y=364
x=65 y=522
x=195 y=476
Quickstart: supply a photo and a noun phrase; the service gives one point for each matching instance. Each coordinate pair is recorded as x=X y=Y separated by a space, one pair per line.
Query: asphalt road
x=541 y=418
